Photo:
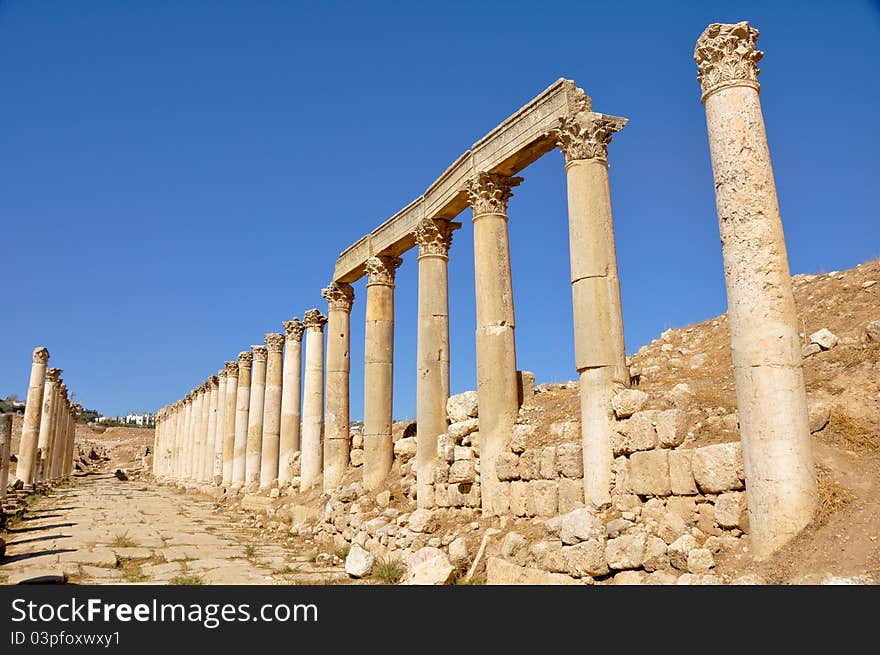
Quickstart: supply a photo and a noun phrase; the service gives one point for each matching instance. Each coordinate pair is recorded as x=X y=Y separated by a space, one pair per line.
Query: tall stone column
x=180 y=438
x=767 y=360
x=337 y=440
x=198 y=433
x=488 y=195
x=271 y=410
x=434 y=237
x=313 y=400
x=73 y=412
x=207 y=472
x=379 y=369
x=254 y=446
x=60 y=445
x=242 y=407
x=157 y=435
x=219 y=430
x=30 y=430
x=600 y=353
x=5 y=447
x=48 y=423
x=291 y=390
x=185 y=436
x=229 y=419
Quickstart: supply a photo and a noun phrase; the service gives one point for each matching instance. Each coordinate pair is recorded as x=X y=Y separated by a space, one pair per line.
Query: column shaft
x=291 y=391
x=48 y=421
x=313 y=401
x=30 y=431
x=230 y=420
x=219 y=431
x=337 y=440
x=767 y=360
x=254 y=445
x=5 y=447
x=208 y=459
x=272 y=411
x=242 y=407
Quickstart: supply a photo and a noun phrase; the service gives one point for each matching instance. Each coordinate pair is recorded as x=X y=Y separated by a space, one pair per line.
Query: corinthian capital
x=314 y=320
x=586 y=135
x=488 y=193
x=381 y=269
x=294 y=329
x=274 y=342
x=41 y=355
x=245 y=358
x=259 y=352
x=339 y=296
x=54 y=374
x=213 y=383
x=434 y=237
x=726 y=55
x=231 y=368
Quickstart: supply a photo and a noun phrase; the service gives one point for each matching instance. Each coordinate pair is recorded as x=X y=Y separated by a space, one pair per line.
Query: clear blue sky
x=177 y=177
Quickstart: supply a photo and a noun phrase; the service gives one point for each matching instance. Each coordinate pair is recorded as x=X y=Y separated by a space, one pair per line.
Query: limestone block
x=661 y=578
x=506 y=466
x=405 y=448
x=686 y=508
x=729 y=509
x=461 y=429
x=719 y=468
x=464 y=495
x=445 y=448
x=678 y=551
x=519 y=491
x=462 y=406
x=648 y=473
x=872 y=331
x=530 y=464
x=461 y=453
x=357 y=457
x=502 y=498
x=627 y=402
x=635 y=433
x=681 y=474
x=441 y=495
x=542 y=499
x=571 y=494
x=441 y=473
x=525 y=386
x=502 y=572
x=824 y=338
x=421 y=520
x=655 y=554
x=700 y=560
x=617 y=527
x=586 y=558
x=579 y=525
x=671 y=526
x=820 y=414
x=358 y=562
x=671 y=426
x=629 y=578
x=570 y=460
x=520 y=437
x=626 y=552
x=429 y=566
x=462 y=470
x=458 y=551
x=548 y=462
x=512 y=544
x=566 y=430
x=810 y=349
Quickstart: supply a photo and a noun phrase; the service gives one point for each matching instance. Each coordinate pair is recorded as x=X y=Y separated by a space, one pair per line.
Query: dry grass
x=832 y=498
x=389 y=571
x=851 y=433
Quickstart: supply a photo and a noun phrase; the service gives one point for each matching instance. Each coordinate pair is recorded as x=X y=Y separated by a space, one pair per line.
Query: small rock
x=820 y=414
x=458 y=551
x=420 y=520
x=383 y=498
x=429 y=566
x=626 y=552
x=579 y=525
x=678 y=551
x=700 y=560
x=462 y=406
x=749 y=579
x=405 y=448
x=358 y=562
x=512 y=544
x=462 y=470
x=729 y=509
x=357 y=457
x=824 y=338
x=810 y=349
x=627 y=402
x=463 y=428
x=872 y=331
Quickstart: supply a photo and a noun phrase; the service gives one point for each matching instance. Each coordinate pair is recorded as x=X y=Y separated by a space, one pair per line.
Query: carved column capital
x=339 y=296
x=314 y=320
x=41 y=355
x=726 y=55
x=381 y=269
x=245 y=359
x=231 y=369
x=62 y=389
x=274 y=342
x=221 y=374
x=294 y=329
x=54 y=374
x=260 y=352
x=586 y=135
x=488 y=193
x=213 y=383
x=434 y=237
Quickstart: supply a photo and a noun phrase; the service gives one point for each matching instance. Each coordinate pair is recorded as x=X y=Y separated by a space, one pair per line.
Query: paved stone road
x=103 y=531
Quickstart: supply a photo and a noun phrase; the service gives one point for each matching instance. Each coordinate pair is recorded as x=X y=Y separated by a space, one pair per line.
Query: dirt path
x=100 y=530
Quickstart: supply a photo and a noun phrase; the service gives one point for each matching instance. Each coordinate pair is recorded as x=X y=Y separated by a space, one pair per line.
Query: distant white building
x=144 y=420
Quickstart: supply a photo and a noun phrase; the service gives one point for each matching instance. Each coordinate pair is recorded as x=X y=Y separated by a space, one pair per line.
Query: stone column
x=30 y=430
x=72 y=413
x=207 y=472
x=184 y=448
x=291 y=389
x=48 y=423
x=242 y=406
x=5 y=447
x=271 y=411
x=198 y=433
x=767 y=360
x=219 y=430
x=180 y=438
x=600 y=354
x=434 y=237
x=60 y=436
x=488 y=195
x=313 y=400
x=229 y=419
x=254 y=444
x=379 y=369
x=157 y=434
x=337 y=440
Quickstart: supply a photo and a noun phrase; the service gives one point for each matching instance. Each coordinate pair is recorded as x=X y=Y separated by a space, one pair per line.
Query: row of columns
x=45 y=452
x=265 y=432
